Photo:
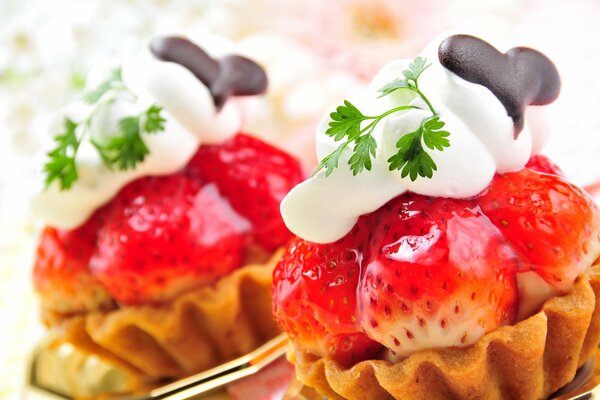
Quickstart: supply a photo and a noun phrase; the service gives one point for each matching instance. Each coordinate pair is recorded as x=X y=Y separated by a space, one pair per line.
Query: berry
x=440 y=274
x=166 y=235
x=315 y=299
x=550 y=223
x=436 y=272
x=543 y=164
x=254 y=177
x=61 y=273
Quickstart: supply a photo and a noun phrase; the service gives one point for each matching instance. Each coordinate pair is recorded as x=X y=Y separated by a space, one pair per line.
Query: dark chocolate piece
x=518 y=78
x=224 y=77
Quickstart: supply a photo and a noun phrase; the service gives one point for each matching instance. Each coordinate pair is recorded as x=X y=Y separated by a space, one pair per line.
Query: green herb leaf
x=154 y=122
x=408 y=147
x=126 y=150
x=412 y=159
x=392 y=86
x=345 y=122
x=433 y=137
x=331 y=161
x=416 y=68
x=95 y=95
x=123 y=151
x=364 y=149
x=61 y=164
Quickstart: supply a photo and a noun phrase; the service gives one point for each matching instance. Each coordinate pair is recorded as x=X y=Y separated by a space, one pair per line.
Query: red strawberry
x=166 y=235
x=315 y=298
x=61 y=273
x=440 y=274
x=552 y=224
x=255 y=177
x=543 y=164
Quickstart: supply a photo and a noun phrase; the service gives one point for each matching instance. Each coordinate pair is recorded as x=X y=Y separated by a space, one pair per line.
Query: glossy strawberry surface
x=163 y=234
x=438 y=272
x=540 y=163
x=551 y=224
x=254 y=177
x=315 y=288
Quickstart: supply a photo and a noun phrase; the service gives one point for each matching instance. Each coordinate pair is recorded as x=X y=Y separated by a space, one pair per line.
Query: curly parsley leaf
x=61 y=164
x=392 y=86
x=128 y=149
x=412 y=159
x=331 y=161
x=415 y=69
x=123 y=151
x=345 y=122
x=95 y=95
x=364 y=149
x=433 y=137
x=154 y=122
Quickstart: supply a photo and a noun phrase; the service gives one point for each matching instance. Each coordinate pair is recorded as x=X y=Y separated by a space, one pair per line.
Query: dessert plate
x=44 y=386
x=585 y=385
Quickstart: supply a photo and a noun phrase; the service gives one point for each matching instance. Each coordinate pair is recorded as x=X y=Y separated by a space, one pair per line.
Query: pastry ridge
x=196 y=331
x=528 y=360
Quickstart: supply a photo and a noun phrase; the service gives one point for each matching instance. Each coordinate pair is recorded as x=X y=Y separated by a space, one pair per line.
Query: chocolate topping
x=224 y=77
x=518 y=78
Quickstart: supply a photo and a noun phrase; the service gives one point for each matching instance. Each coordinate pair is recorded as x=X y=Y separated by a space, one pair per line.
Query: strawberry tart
x=163 y=223
x=439 y=255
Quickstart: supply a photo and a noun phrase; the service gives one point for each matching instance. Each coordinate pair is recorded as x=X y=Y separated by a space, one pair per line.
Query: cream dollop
x=191 y=119
x=323 y=209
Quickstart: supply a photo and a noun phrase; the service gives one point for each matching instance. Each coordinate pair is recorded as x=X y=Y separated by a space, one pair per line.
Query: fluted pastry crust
x=529 y=360
x=196 y=331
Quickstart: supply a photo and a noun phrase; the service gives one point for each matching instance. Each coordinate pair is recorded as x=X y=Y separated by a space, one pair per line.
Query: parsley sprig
x=124 y=150
x=128 y=148
x=412 y=159
x=114 y=81
x=61 y=164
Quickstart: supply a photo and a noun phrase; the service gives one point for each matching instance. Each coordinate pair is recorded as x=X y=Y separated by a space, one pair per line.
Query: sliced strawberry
x=61 y=273
x=255 y=177
x=166 y=235
x=543 y=164
x=440 y=274
x=552 y=224
x=315 y=298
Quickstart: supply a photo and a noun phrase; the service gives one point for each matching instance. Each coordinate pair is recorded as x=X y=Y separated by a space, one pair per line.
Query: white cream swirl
x=191 y=119
x=323 y=209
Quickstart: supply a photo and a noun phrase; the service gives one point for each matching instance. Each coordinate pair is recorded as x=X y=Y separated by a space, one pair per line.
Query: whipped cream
x=191 y=119
x=323 y=209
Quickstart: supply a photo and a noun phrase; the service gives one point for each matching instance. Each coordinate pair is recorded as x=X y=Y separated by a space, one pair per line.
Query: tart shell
x=528 y=360
x=196 y=331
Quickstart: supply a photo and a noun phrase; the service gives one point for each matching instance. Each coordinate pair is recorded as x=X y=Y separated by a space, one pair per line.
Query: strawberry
x=439 y=274
x=550 y=223
x=61 y=273
x=166 y=235
x=543 y=164
x=315 y=298
x=254 y=177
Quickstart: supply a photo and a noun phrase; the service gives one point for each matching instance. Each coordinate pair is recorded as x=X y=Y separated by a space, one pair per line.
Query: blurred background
x=315 y=52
